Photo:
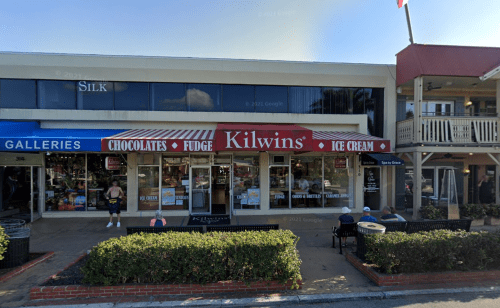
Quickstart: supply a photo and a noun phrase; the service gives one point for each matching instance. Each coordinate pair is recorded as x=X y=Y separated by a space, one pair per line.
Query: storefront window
x=149 y=187
x=95 y=95
x=279 y=186
x=15 y=93
x=78 y=182
x=246 y=185
x=307 y=177
x=131 y=95
x=102 y=170
x=65 y=182
x=56 y=94
x=175 y=183
x=168 y=97
x=339 y=182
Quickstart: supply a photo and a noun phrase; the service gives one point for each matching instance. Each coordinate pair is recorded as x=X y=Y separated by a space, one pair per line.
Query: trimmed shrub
x=434 y=251
x=432 y=212
x=493 y=210
x=179 y=257
x=3 y=242
x=473 y=211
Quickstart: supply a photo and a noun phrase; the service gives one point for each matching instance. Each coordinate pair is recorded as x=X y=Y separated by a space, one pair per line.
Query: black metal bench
x=452 y=224
x=139 y=229
x=393 y=226
x=243 y=228
x=345 y=230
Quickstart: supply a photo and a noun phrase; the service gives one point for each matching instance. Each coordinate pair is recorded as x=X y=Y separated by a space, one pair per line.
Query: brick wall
x=420 y=279
x=67 y=292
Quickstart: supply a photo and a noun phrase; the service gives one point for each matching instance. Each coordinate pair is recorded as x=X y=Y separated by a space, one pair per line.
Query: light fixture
x=466 y=171
x=471 y=154
x=467 y=101
x=48 y=153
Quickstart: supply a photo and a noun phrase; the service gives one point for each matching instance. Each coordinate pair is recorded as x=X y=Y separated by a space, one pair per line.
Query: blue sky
x=354 y=31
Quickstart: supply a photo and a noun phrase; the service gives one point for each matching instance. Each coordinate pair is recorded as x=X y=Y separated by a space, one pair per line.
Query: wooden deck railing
x=446 y=130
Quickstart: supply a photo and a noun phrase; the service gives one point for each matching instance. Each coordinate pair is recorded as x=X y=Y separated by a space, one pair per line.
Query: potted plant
x=476 y=212
x=493 y=215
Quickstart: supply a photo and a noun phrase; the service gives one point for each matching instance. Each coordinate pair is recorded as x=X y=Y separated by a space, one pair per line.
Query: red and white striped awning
x=160 y=140
x=324 y=141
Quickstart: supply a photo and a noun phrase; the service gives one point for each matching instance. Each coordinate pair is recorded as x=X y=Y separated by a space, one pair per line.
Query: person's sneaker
x=109 y=224
x=118 y=224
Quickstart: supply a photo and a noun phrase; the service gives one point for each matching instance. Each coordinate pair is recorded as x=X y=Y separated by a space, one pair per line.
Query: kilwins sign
x=241 y=137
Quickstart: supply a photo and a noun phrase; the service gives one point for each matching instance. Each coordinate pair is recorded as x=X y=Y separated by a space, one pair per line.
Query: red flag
x=401 y=3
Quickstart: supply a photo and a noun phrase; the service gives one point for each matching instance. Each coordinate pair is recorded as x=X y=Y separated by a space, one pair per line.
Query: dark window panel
x=271 y=99
x=17 y=93
x=131 y=96
x=56 y=94
x=238 y=98
x=94 y=95
x=168 y=97
x=305 y=100
x=358 y=100
x=204 y=97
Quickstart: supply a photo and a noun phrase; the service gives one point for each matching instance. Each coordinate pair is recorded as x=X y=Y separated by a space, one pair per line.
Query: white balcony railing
x=445 y=130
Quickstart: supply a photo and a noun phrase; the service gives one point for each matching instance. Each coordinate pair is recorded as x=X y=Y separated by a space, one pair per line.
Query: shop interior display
x=78 y=182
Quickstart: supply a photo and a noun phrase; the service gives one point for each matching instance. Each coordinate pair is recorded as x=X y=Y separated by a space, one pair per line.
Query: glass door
x=201 y=190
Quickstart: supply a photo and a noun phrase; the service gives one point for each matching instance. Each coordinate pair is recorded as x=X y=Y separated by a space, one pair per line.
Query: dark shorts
x=114 y=205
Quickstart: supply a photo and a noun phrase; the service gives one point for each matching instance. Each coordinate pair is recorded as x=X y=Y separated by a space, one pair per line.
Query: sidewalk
x=324 y=270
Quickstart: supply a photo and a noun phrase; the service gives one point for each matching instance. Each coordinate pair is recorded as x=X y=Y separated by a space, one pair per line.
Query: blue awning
x=381 y=160
x=29 y=137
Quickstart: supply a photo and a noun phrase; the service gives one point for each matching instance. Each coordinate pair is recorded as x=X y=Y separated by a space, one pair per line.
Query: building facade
x=447 y=125
x=194 y=136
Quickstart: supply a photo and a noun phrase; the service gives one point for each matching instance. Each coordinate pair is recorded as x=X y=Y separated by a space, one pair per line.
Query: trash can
x=366 y=228
x=18 y=249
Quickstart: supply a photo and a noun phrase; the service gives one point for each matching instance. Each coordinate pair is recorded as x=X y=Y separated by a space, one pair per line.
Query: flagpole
x=408 y=22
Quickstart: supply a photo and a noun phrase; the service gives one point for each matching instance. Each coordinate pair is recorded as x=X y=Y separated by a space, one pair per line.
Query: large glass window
x=56 y=94
x=78 y=182
x=279 y=186
x=175 y=183
x=307 y=174
x=204 y=97
x=271 y=99
x=246 y=184
x=65 y=182
x=239 y=98
x=168 y=97
x=339 y=182
x=102 y=170
x=131 y=96
x=305 y=100
x=17 y=94
x=93 y=95
x=149 y=187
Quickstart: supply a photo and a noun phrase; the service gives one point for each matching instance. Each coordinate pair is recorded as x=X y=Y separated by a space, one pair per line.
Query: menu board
x=149 y=199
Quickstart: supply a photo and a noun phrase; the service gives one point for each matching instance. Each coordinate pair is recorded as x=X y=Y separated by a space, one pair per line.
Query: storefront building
x=447 y=125
x=194 y=136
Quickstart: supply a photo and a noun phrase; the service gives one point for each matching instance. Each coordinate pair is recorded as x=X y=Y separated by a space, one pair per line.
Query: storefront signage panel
x=351 y=146
x=143 y=145
x=263 y=138
x=112 y=163
x=39 y=144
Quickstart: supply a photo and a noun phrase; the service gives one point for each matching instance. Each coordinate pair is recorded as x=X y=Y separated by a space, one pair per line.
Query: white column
x=417 y=109
x=264 y=181
x=132 y=185
x=417 y=184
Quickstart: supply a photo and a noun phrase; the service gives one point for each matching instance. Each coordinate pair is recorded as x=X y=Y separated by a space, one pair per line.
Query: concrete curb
x=274 y=301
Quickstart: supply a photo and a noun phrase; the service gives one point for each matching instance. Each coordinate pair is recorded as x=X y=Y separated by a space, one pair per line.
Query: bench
x=346 y=230
x=139 y=229
x=243 y=228
x=393 y=226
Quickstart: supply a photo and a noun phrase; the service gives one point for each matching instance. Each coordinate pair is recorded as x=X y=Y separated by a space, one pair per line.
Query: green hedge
x=179 y=257
x=434 y=251
x=3 y=242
